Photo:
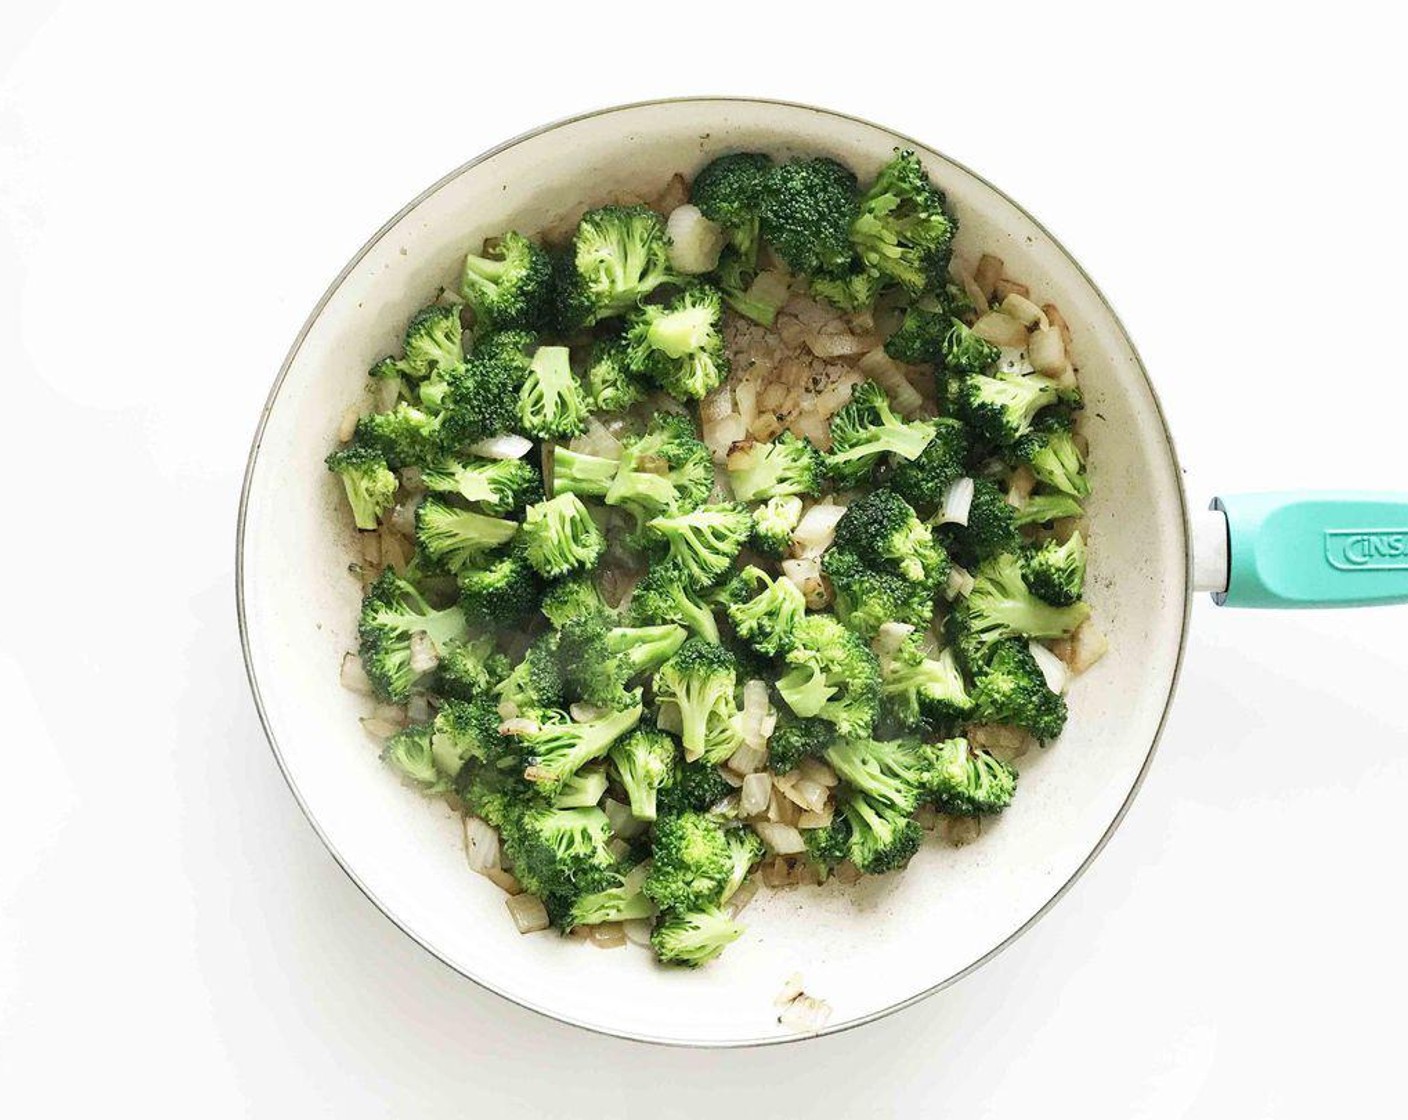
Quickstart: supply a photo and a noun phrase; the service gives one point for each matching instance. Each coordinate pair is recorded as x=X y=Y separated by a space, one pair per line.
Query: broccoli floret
x=499 y=590
x=788 y=465
x=470 y=667
x=497 y=486
x=585 y=787
x=883 y=838
x=1001 y=606
x=923 y=482
x=694 y=937
x=535 y=682
x=704 y=541
x=575 y=472
x=1003 y=406
x=866 y=598
x=405 y=436
x=730 y=191
x=904 y=230
x=392 y=612
x=494 y=790
x=967 y=782
x=991 y=528
x=1011 y=689
x=829 y=845
x=773 y=524
x=611 y=384
x=455 y=537
x=693 y=787
x=796 y=740
x=551 y=403
x=1051 y=452
x=619 y=902
x=919 y=339
x=746 y=850
x=1041 y=508
x=434 y=341
x=559 y=536
x=561 y=851
x=866 y=429
x=886 y=773
x=679 y=345
x=510 y=286
x=573 y=597
x=464 y=732
x=808 y=207
x=831 y=674
x=855 y=290
x=883 y=530
x=645 y=648
x=368 y=481
x=964 y=353
x=643 y=761
x=921 y=691
x=700 y=680
x=735 y=278
x=665 y=470
x=591 y=671
x=619 y=255
x=766 y=621
x=665 y=594
x=555 y=748
x=692 y=862
x=1055 y=572
x=482 y=395
x=409 y=751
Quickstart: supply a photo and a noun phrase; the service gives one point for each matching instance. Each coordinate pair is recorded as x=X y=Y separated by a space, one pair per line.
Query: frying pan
x=866 y=949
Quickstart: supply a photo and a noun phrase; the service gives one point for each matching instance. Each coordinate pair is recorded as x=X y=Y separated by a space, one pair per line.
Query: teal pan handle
x=1298 y=550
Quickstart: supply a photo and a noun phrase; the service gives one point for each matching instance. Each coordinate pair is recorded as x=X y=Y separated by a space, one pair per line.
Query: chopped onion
x=423 y=655
x=740 y=898
x=481 y=844
x=732 y=777
x=623 y=824
x=819 y=819
x=717 y=404
x=395 y=551
x=596 y=440
x=1003 y=740
x=371 y=549
x=720 y=435
x=353 y=677
x=403 y=518
x=418 y=708
x=1013 y=359
x=1051 y=666
x=838 y=343
x=695 y=242
x=529 y=913
x=1000 y=330
x=1057 y=320
x=519 y=725
x=1020 y=486
x=391 y=713
x=745 y=394
x=667 y=717
x=805 y=1013
x=815 y=770
x=890 y=376
x=379 y=729
x=502 y=447
x=889 y=638
x=791 y=989
x=634 y=879
x=960 y=583
x=386 y=393
x=958 y=501
x=608 y=935
x=347 y=427
x=638 y=930
x=806 y=574
x=1004 y=288
x=755 y=794
x=1047 y=352
x=817 y=528
x=987 y=274
x=807 y=794
x=748 y=759
x=585 y=713
x=1024 y=311
x=618 y=848
x=769 y=287
x=755 y=715
x=1088 y=645
x=959 y=831
x=846 y=872
x=926 y=817
x=504 y=880
x=781 y=839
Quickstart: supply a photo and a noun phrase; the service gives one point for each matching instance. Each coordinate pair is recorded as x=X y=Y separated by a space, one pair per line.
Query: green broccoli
x=559 y=536
x=882 y=529
x=497 y=486
x=829 y=845
x=466 y=732
x=767 y=620
x=405 y=436
x=561 y=851
x=510 y=286
x=645 y=648
x=831 y=674
x=746 y=850
x=693 y=937
x=482 y=395
x=556 y=748
x=700 y=680
x=866 y=598
x=807 y=210
x=904 y=231
x=922 y=691
x=704 y=541
x=591 y=671
x=736 y=278
x=575 y=472
x=470 y=667
x=1011 y=689
x=666 y=470
x=693 y=787
x=967 y=782
x=583 y=788
x=865 y=429
x=964 y=353
x=855 y=290
x=919 y=339
x=368 y=481
x=1002 y=407
x=773 y=524
x=1054 y=457
x=924 y=481
x=499 y=589
x=619 y=902
x=882 y=838
x=572 y=597
x=729 y=191
x=692 y=862
x=1055 y=572
x=551 y=403
x=666 y=594
x=1039 y=509
x=1001 y=606
x=643 y=761
x=455 y=537
x=392 y=613
x=434 y=341
x=410 y=752
x=991 y=528
x=887 y=773
x=788 y=465
x=535 y=683
x=679 y=344
x=618 y=255
x=796 y=740
x=612 y=385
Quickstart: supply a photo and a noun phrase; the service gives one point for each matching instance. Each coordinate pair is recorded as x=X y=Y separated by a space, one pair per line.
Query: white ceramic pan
x=885 y=942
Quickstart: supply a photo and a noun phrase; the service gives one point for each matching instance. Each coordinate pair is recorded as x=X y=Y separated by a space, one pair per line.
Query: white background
x=178 y=185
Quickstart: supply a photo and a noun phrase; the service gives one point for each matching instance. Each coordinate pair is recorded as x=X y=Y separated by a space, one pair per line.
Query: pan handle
x=1306 y=549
